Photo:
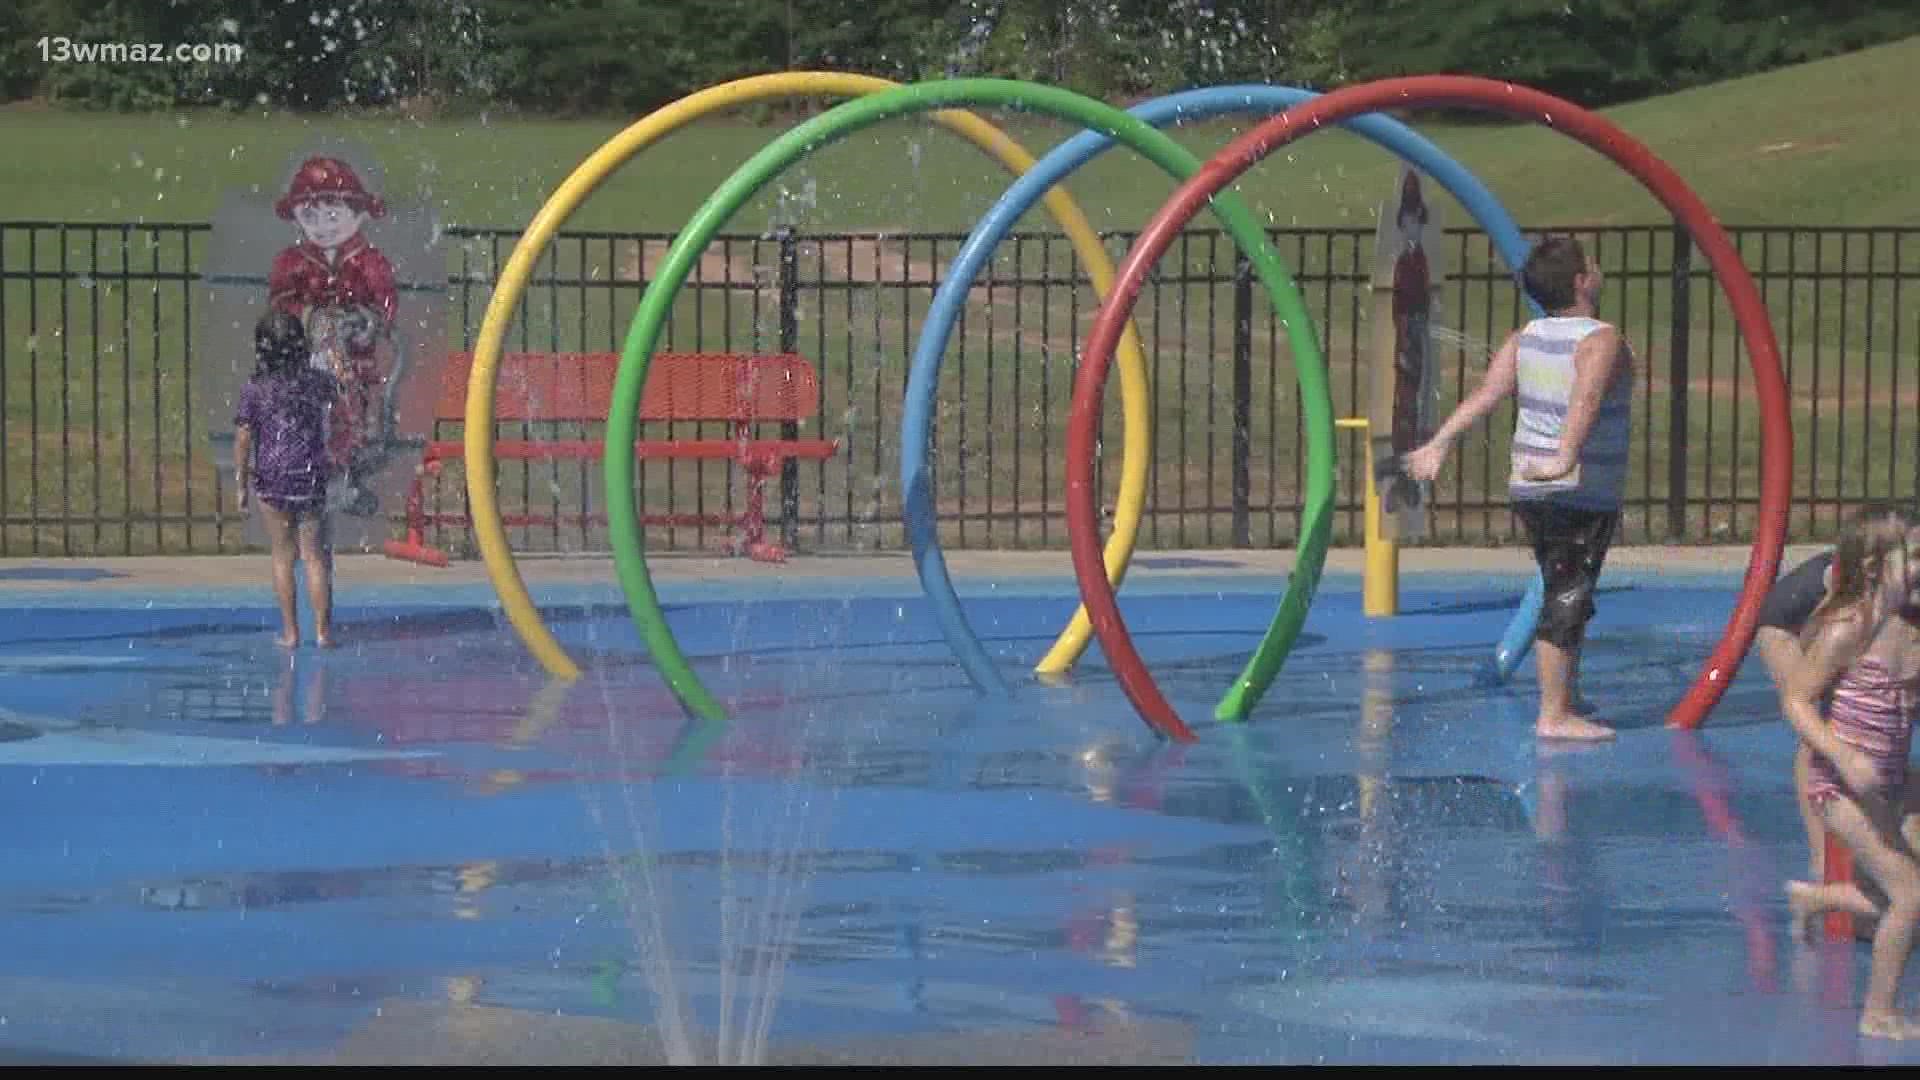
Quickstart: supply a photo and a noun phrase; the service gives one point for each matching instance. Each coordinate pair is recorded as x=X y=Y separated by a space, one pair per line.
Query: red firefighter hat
x=325 y=177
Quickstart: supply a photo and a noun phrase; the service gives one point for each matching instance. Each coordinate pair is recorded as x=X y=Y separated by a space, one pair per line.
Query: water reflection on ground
x=419 y=849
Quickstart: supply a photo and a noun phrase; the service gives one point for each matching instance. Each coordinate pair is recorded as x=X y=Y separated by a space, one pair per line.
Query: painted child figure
x=1412 y=303
x=1411 y=309
x=1863 y=663
x=341 y=287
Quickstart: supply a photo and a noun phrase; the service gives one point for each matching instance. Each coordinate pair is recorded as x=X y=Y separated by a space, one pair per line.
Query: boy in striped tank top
x=1572 y=375
x=1862 y=663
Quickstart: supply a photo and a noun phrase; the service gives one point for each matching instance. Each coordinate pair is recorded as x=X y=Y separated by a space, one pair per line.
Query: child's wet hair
x=1862 y=554
x=1552 y=271
x=279 y=343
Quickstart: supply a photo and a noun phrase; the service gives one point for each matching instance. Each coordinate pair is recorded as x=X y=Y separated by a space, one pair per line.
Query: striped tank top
x=1545 y=376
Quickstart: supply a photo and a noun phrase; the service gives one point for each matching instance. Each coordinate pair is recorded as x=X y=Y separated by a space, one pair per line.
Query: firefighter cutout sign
x=1406 y=293
x=368 y=282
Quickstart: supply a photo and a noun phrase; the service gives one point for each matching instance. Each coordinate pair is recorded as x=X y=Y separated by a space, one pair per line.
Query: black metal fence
x=103 y=455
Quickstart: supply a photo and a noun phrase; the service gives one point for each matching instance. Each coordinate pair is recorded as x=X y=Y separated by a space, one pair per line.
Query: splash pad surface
x=416 y=848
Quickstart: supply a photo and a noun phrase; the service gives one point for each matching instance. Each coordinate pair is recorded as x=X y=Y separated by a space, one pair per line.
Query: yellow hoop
x=490 y=533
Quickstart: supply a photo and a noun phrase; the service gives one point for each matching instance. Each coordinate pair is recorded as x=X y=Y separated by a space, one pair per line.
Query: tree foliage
x=574 y=56
x=1601 y=52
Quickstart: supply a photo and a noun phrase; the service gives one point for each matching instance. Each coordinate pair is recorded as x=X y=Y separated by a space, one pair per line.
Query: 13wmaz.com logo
x=64 y=50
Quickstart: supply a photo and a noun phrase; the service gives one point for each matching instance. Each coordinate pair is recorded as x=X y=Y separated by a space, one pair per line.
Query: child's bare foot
x=1801 y=912
x=324 y=639
x=288 y=639
x=1889 y=1025
x=1571 y=727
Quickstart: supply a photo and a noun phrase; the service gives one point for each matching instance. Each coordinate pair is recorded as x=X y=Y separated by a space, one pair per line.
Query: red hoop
x=1749 y=312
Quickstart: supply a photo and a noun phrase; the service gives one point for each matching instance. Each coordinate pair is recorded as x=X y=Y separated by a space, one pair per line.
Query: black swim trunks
x=1570 y=545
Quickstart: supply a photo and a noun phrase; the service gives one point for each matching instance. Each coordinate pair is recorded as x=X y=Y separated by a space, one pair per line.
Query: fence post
x=1242 y=400
x=789 y=284
x=1679 y=381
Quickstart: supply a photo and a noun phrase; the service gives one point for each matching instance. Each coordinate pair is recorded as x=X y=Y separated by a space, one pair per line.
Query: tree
x=1601 y=52
x=633 y=55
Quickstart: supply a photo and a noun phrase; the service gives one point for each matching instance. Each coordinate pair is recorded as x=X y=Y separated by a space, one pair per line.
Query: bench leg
x=415 y=548
x=752 y=524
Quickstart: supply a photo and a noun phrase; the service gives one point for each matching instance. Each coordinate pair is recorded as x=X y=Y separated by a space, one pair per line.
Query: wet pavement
x=416 y=848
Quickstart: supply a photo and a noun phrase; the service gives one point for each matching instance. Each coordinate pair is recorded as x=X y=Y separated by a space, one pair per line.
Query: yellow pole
x=1380 y=581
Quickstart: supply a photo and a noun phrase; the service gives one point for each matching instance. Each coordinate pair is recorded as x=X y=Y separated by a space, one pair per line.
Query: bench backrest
x=736 y=387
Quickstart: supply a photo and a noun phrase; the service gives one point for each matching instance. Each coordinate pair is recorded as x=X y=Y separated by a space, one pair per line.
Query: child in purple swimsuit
x=1863 y=661
x=280 y=454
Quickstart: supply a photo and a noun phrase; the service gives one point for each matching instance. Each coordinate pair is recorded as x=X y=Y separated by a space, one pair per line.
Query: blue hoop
x=1519 y=636
x=923 y=378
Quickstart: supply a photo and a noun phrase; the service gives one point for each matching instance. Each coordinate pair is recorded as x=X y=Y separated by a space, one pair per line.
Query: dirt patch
x=879 y=258
x=1807 y=146
x=882 y=257
x=640 y=261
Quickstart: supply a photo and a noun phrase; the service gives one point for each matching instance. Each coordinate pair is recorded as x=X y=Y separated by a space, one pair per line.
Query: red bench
x=742 y=390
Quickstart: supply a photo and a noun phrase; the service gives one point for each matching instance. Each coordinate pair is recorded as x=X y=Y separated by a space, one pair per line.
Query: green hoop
x=649 y=320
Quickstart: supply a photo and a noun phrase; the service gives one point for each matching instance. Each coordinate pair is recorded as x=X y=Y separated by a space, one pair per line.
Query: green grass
x=1827 y=142
x=1822 y=144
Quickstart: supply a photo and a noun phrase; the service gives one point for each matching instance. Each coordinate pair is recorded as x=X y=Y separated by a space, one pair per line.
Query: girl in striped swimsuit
x=1863 y=662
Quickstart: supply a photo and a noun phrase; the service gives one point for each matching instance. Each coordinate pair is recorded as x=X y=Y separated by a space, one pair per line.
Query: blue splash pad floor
x=220 y=851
